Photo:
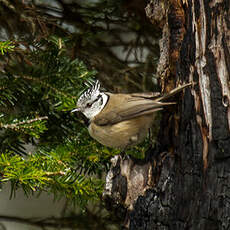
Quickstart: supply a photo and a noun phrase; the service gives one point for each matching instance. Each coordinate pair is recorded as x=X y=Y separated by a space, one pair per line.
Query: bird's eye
x=88 y=105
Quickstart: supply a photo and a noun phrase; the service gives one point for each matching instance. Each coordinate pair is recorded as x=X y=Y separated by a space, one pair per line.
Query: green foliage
x=42 y=77
x=32 y=127
x=6 y=46
x=36 y=97
x=50 y=172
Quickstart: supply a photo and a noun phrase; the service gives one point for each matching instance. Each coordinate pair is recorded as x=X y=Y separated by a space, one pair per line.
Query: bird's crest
x=90 y=93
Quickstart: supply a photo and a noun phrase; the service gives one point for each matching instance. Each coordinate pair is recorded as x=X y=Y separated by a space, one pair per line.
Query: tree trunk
x=185 y=182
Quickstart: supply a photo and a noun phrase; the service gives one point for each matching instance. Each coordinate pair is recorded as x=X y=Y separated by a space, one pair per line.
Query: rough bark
x=189 y=186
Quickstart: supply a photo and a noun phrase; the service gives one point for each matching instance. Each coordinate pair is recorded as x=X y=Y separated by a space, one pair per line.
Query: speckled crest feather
x=89 y=93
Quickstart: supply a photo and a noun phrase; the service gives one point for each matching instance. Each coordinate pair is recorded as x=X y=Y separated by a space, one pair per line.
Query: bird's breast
x=122 y=134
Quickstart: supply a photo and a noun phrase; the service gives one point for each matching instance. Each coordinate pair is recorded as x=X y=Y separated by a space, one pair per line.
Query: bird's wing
x=134 y=105
x=147 y=95
x=127 y=108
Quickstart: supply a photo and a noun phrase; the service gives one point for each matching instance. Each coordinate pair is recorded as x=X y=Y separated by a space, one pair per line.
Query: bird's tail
x=173 y=92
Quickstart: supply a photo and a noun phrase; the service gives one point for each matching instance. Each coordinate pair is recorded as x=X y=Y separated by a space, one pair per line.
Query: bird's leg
x=122 y=153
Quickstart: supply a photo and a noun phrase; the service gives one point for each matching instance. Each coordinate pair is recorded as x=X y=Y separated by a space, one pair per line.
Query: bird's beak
x=75 y=110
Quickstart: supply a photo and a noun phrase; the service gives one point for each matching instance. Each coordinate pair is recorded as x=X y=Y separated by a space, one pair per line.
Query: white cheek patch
x=96 y=108
x=90 y=113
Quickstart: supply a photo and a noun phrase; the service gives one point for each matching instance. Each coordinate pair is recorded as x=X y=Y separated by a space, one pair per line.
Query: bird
x=121 y=120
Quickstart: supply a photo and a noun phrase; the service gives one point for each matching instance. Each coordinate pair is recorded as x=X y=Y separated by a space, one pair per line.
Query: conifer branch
x=60 y=173
x=48 y=86
x=6 y=46
x=15 y=126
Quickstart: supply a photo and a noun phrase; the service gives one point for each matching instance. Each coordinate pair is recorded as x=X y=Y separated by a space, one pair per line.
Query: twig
x=55 y=173
x=15 y=126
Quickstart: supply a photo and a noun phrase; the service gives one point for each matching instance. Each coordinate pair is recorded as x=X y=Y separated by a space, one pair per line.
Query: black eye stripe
x=98 y=97
x=90 y=104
